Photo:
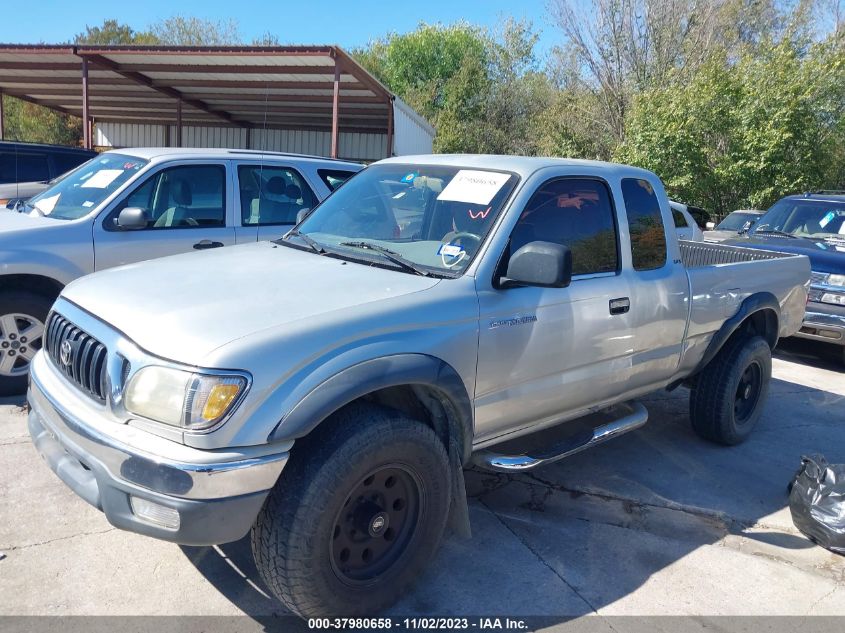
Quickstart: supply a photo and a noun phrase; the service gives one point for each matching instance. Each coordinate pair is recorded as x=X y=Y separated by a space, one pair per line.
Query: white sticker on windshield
x=87 y=204
x=102 y=178
x=46 y=205
x=826 y=219
x=474 y=187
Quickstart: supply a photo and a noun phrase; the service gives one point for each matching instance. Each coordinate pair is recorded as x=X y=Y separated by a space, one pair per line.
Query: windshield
x=737 y=220
x=75 y=194
x=427 y=219
x=820 y=219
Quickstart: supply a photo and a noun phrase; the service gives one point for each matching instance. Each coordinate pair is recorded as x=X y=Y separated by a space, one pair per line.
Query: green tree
x=24 y=121
x=744 y=132
x=180 y=30
x=482 y=91
x=112 y=32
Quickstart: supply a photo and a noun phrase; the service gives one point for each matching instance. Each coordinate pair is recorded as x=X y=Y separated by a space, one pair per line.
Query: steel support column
x=335 y=109
x=86 y=117
x=390 y=127
x=2 y=120
x=179 y=123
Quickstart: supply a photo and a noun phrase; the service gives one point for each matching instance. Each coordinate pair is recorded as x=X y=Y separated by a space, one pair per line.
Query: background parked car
x=136 y=204
x=811 y=224
x=26 y=169
x=735 y=222
x=685 y=223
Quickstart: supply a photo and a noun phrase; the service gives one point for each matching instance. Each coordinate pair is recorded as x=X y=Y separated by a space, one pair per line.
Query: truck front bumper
x=192 y=502
x=825 y=324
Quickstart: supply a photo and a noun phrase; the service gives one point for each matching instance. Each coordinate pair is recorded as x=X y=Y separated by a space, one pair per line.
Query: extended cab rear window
x=645 y=224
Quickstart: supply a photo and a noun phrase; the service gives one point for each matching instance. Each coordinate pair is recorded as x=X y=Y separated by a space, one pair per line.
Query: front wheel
x=22 y=318
x=728 y=397
x=358 y=512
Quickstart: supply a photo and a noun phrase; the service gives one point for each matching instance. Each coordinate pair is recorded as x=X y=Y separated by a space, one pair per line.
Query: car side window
x=187 y=196
x=577 y=213
x=334 y=178
x=272 y=195
x=645 y=224
x=23 y=167
x=680 y=220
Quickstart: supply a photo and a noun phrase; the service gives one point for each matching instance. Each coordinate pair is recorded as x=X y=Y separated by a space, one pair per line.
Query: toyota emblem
x=66 y=353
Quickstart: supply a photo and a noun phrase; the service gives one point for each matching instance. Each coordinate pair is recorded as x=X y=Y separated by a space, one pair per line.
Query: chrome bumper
x=217 y=496
x=823 y=326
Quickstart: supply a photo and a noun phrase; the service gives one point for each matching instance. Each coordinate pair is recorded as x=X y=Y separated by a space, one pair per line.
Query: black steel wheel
x=357 y=514
x=375 y=524
x=748 y=392
x=727 y=399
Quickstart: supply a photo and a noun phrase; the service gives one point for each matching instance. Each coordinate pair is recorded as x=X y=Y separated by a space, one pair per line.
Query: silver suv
x=130 y=205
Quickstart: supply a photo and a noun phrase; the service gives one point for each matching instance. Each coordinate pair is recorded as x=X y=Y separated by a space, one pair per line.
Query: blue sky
x=347 y=23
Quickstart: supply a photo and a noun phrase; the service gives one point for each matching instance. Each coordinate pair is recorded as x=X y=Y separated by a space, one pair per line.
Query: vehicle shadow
x=811 y=353
x=592 y=532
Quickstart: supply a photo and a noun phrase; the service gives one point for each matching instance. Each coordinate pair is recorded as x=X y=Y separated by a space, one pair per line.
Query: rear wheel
x=358 y=512
x=728 y=397
x=22 y=318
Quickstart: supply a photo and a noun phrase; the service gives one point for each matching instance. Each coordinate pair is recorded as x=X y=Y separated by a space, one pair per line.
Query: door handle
x=203 y=244
x=620 y=306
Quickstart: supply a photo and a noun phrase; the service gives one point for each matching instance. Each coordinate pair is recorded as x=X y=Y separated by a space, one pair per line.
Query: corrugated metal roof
x=289 y=87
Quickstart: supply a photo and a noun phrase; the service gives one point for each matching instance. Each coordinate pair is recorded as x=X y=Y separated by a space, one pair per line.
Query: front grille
x=87 y=363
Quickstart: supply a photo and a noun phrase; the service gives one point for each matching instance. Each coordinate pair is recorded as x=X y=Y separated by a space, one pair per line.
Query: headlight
x=836 y=280
x=182 y=398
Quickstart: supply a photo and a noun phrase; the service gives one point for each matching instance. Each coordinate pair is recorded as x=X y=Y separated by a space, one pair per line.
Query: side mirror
x=131 y=219
x=710 y=226
x=543 y=264
x=302 y=214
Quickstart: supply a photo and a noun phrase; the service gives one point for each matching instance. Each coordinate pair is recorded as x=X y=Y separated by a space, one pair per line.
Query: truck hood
x=185 y=306
x=825 y=257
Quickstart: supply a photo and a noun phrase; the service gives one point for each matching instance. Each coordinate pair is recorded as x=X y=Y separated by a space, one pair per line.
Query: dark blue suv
x=812 y=224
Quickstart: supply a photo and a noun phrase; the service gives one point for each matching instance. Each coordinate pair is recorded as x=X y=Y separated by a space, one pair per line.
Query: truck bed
x=697 y=254
x=721 y=277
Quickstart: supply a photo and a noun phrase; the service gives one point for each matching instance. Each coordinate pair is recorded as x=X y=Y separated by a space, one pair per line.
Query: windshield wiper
x=776 y=232
x=393 y=256
x=314 y=246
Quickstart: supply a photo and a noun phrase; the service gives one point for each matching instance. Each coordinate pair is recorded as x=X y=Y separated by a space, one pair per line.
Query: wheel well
x=427 y=405
x=761 y=323
x=39 y=284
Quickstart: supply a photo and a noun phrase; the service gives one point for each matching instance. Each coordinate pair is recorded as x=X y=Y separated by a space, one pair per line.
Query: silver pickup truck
x=130 y=205
x=324 y=391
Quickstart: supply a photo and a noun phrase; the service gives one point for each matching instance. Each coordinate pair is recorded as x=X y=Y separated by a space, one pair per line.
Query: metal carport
x=313 y=99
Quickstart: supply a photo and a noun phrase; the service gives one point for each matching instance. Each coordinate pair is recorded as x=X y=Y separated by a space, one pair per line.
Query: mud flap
x=459 y=512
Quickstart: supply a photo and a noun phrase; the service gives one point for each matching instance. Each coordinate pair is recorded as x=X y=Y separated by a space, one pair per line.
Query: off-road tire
x=293 y=536
x=32 y=305
x=717 y=410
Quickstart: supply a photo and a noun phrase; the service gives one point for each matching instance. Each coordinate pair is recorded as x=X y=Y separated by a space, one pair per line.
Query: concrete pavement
x=657 y=522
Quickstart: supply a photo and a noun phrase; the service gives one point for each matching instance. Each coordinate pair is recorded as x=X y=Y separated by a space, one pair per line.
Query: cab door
x=188 y=207
x=548 y=352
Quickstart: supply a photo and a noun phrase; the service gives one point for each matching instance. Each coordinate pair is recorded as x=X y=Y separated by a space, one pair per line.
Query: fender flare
x=379 y=373
x=756 y=302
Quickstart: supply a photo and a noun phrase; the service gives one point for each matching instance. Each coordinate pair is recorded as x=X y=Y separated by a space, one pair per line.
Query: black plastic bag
x=817 y=502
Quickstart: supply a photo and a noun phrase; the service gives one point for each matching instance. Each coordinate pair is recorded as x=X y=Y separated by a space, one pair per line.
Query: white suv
x=129 y=205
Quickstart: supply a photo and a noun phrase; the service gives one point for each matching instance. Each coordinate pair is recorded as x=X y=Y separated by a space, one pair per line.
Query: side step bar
x=635 y=416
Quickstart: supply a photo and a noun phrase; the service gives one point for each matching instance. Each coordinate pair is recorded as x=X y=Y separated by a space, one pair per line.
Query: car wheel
x=728 y=397
x=357 y=513
x=22 y=318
